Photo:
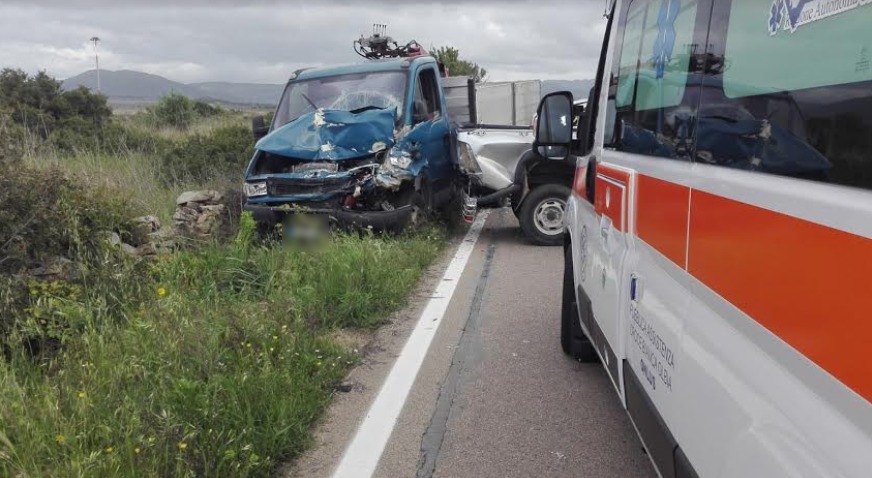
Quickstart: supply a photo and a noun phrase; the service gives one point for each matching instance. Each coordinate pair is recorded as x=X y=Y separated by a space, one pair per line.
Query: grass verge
x=207 y=363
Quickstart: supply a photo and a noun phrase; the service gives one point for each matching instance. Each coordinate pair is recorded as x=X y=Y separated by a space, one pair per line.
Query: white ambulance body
x=719 y=234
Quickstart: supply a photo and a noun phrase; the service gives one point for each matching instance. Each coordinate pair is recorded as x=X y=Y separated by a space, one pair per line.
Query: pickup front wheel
x=541 y=214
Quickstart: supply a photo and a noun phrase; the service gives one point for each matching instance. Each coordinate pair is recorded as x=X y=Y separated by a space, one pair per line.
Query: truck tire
x=572 y=338
x=541 y=214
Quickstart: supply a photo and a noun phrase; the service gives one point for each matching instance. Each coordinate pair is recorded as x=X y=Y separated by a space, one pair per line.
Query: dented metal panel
x=333 y=135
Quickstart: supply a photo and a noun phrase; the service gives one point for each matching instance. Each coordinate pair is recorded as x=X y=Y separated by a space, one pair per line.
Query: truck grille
x=293 y=187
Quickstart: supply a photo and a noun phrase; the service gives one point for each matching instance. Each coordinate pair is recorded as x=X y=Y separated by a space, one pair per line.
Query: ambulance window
x=653 y=114
x=788 y=90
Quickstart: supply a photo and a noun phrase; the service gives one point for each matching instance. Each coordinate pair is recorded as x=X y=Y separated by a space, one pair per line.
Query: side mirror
x=554 y=126
x=259 y=127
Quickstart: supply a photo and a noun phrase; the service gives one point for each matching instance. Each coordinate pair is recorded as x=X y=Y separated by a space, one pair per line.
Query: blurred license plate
x=304 y=227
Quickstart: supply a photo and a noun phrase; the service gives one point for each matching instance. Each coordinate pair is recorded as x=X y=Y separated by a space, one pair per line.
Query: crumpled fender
x=333 y=135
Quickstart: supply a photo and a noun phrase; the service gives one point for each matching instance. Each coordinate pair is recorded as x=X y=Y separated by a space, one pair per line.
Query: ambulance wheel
x=572 y=338
x=542 y=213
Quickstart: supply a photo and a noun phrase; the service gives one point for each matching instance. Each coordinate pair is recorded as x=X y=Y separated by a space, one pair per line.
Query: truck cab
x=364 y=145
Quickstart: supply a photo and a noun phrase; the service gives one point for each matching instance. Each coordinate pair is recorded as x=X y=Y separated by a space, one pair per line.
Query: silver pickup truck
x=507 y=173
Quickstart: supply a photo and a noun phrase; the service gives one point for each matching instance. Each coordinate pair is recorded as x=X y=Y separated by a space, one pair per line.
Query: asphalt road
x=496 y=397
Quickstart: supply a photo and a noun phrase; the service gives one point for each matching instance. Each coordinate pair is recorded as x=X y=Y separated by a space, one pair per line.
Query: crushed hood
x=333 y=135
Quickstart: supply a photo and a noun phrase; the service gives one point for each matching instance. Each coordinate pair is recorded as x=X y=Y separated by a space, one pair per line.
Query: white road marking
x=363 y=454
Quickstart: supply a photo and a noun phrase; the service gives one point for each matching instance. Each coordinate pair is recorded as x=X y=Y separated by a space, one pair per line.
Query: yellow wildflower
x=60 y=439
x=81 y=394
x=136 y=450
x=161 y=291
x=109 y=450
x=183 y=446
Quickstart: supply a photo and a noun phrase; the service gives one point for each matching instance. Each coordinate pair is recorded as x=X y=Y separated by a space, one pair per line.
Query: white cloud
x=265 y=41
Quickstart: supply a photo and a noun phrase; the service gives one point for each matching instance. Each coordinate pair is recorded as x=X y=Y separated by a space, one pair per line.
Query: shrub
x=48 y=219
x=174 y=110
x=222 y=152
x=11 y=139
x=38 y=103
x=178 y=111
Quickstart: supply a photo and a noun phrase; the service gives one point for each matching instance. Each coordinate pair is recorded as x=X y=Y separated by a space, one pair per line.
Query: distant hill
x=126 y=86
x=135 y=87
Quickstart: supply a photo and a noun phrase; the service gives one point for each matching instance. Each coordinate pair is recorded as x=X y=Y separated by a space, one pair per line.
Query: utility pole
x=97 y=60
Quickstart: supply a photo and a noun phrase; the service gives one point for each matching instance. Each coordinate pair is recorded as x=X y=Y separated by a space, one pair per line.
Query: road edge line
x=363 y=454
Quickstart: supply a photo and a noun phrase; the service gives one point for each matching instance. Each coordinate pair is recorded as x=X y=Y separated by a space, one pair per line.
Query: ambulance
x=718 y=241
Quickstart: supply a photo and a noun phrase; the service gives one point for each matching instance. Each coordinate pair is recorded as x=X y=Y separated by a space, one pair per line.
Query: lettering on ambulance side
x=658 y=359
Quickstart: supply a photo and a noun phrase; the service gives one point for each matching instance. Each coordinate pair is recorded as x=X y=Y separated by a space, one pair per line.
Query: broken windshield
x=353 y=93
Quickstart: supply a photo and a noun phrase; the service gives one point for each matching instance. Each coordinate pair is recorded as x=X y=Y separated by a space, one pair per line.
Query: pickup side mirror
x=259 y=127
x=554 y=126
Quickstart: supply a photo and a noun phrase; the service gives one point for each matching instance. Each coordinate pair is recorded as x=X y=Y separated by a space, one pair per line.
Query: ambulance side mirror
x=553 y=127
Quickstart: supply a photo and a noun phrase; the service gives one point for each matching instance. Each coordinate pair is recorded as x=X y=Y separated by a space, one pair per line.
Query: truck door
x=430 y=128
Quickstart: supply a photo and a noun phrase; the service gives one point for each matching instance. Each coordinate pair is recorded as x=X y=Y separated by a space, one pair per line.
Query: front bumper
x=379 y=221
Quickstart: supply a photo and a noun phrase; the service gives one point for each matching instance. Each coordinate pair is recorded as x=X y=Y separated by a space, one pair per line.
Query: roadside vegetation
x=211 y=360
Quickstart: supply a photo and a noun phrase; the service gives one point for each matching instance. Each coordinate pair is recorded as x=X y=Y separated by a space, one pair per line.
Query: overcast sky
x=264 y=41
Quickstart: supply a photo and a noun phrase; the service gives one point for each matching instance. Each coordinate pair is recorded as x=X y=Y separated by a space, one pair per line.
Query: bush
x=11 y=139
x=203 y=157
x=174 y=110
x=178 y=111
x=48 y=219
x=38 y=104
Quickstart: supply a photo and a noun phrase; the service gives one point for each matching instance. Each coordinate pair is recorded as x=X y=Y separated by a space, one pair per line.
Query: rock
x=141 y=227
x=147 y=249
x=54 y=269
x=112 y=238
x=209 y=221
x=128 y=249
x=205 y=196
x=161 y=236
x=150 y=222
x=345 y=387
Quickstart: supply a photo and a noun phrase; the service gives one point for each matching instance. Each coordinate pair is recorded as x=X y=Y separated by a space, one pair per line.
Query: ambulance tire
x=572 y=338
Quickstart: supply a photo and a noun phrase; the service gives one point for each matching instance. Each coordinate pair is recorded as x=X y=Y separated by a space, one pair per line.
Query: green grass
x=145 y=179
x=134 y=176
x=210 y=362
x=215 y=363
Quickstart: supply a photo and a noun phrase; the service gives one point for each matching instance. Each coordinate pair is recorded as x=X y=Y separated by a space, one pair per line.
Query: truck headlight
x=468 y=163
x=255 y=189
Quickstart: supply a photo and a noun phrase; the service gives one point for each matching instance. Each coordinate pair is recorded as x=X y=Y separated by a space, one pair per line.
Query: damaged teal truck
x=366 y=145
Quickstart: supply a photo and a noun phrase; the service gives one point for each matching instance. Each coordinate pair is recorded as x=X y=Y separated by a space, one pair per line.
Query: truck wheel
x=572 y=338
x=541 y=214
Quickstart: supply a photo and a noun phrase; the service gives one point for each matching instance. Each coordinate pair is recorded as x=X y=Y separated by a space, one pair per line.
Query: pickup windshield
x=342 y=92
